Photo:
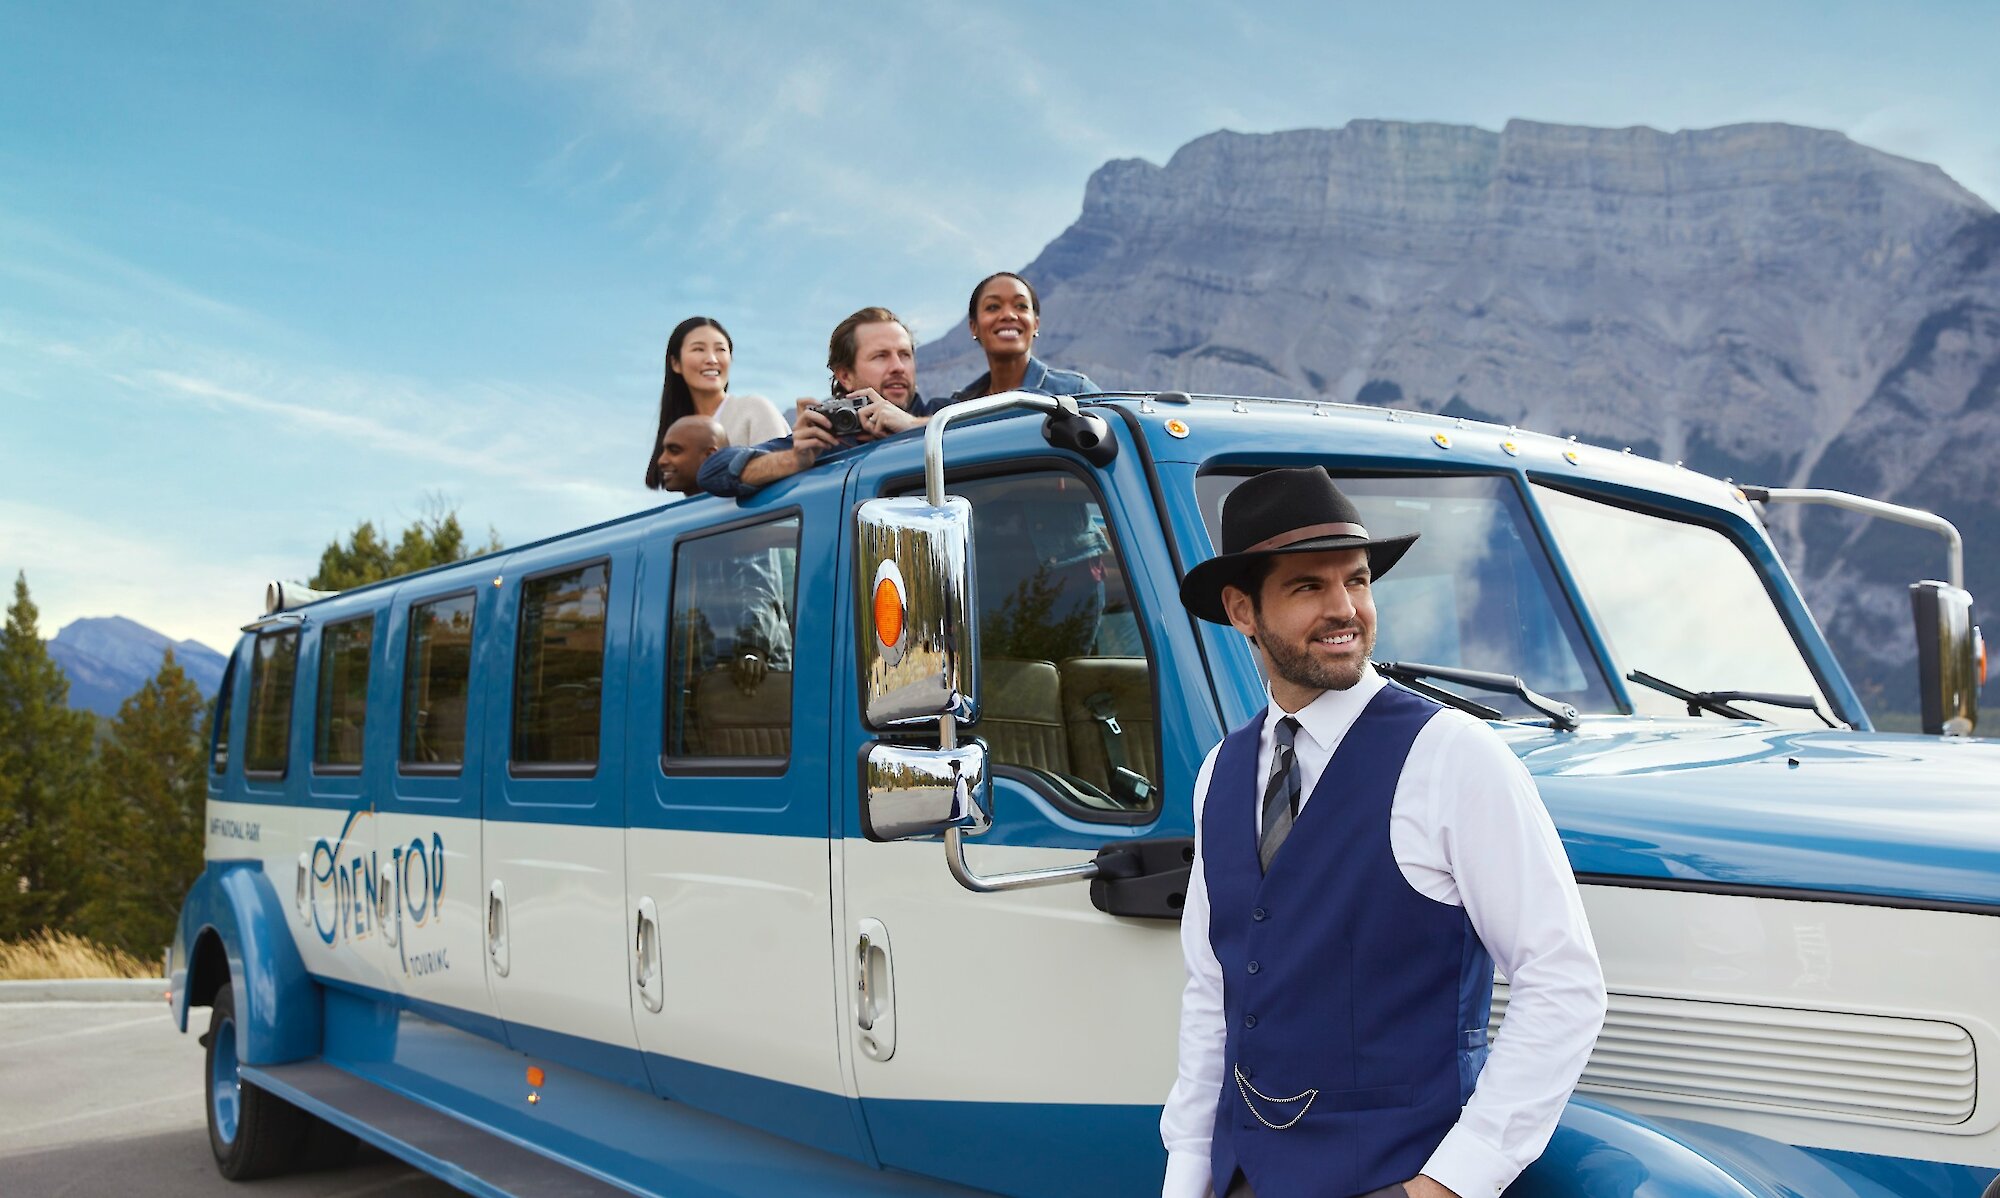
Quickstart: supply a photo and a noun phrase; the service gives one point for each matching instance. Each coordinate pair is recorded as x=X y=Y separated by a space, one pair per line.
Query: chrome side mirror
x=908 y=793
x=914 y=566
x=1949 y=658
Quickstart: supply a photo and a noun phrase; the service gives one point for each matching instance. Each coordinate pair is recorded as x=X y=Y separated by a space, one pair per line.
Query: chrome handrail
x=954 y=838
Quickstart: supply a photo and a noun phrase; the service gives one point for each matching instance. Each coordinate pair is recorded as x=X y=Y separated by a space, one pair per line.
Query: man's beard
x=1296 y=664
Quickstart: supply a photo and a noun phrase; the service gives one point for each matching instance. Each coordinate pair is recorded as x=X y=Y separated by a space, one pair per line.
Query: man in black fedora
x=1363 y=859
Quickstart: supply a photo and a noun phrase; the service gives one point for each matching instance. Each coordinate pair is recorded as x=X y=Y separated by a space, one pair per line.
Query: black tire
x=252 y=1133
x=327 y=1146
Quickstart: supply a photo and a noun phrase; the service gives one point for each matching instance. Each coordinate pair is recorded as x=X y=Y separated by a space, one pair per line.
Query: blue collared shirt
x=1041 y=379
x=722 y=473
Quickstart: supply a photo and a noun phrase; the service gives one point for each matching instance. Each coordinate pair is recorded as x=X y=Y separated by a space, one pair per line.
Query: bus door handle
x=386 y=905
x=496 y=926
x=646 y=956
x=874 y=992
x=299 y=894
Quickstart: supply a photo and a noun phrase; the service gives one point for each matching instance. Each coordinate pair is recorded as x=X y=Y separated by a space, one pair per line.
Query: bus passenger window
x=559 y=667
x=437 y=678
x=342 y=710
x=1066 y=687
x=218 y=757
x=729 y=673
x=273 y=670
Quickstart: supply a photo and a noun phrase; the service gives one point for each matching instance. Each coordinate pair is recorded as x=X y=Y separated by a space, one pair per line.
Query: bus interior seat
x=1098 y=693
x=731 y=722
x=1020 y=713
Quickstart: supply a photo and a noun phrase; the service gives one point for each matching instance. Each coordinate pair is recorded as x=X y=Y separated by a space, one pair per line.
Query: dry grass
x=48 y=954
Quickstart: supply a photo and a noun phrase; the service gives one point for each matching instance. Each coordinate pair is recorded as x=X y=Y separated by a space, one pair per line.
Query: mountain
x=107 y=658
x=1774 y=304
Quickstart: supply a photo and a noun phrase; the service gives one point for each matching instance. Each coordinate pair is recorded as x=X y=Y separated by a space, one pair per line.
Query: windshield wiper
x=1721 y=702
x=1414 y=674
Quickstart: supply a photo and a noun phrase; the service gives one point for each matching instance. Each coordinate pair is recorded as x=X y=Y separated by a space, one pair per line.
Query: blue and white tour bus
x=831 y=842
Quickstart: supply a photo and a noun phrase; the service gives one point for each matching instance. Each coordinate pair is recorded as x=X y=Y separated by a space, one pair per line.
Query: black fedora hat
x=1283 y=511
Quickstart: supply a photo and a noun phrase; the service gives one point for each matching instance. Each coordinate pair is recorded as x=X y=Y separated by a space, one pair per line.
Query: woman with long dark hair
x=697 y=384
x=1005 y=315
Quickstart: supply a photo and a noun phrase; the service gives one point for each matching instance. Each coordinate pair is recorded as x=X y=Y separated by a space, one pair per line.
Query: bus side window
x=729 y=671
x=273 y=672
x=559 y=668
x=1066 y=686
x=342 y=711
x=437 y=680
x=218 y=757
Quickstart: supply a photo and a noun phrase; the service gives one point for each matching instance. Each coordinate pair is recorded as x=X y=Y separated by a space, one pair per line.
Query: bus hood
x=1739 y=804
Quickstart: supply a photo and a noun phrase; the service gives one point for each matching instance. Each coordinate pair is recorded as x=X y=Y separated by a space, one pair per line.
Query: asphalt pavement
x=105 y=1098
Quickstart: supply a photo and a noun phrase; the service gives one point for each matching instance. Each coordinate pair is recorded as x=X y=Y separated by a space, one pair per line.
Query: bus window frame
x=433 y=769
x=318 y=768
x=556 y=769
x=1048 y=786
x=291 y=706
x=726 y=767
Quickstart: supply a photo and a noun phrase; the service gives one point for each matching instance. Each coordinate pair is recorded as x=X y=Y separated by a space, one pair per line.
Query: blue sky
x=269 y=269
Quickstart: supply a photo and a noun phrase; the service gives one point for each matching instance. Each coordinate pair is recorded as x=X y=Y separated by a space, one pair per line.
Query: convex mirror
x=914 y=568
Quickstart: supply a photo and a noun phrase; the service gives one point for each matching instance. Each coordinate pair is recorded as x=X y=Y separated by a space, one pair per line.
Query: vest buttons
x=1258 y=915
x=1249 y=1021
x=1254 y=967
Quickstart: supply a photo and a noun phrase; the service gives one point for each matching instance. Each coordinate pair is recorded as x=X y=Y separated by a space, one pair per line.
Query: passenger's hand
x=880 y=418
x=1423 y=1187
x=813 y=433
x=749 y=670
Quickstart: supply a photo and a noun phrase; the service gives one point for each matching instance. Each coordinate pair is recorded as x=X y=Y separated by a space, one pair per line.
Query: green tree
x=434 y=539
x=145 y=826
x=46 y=759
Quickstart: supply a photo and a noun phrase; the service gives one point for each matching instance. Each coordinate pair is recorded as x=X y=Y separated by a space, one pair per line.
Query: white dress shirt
x=1466 y=828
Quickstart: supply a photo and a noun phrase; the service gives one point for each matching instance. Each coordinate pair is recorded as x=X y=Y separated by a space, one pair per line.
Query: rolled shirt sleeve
x=1511 y=875
x=722 y=473
x=1188 y=1120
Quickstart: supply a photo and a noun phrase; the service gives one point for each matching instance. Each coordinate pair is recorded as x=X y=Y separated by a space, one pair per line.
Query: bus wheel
x=253 y=1134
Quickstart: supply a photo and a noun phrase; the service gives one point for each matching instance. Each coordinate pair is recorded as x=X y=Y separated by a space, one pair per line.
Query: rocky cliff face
x=1770 y=303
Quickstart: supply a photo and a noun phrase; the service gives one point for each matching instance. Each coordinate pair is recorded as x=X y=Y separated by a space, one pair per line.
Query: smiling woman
x=1005 y=315
x=699 y=352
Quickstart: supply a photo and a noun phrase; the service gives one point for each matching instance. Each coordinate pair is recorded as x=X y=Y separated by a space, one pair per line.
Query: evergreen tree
x=45 y=757
x=146 y=823
x=433 y=539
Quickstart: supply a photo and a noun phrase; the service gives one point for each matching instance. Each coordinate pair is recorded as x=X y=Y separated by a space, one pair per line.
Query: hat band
x=1308 y=533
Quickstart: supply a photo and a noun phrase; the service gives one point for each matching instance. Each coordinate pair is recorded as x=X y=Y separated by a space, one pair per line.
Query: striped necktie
x=1281 y=793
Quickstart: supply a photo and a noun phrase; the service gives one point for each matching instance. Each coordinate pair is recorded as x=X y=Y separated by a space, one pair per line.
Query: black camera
x=843 y=412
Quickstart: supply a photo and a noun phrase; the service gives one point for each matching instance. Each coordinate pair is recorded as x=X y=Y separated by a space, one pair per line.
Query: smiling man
x=873 y=360
x=687 y=444
x=1363 y=860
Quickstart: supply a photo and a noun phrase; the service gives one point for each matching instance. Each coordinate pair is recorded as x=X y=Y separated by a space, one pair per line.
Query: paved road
x=106 y=1099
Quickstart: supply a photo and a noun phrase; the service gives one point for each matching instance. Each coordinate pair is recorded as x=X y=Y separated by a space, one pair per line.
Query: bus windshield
x=1681 y=602
x=1476 y=591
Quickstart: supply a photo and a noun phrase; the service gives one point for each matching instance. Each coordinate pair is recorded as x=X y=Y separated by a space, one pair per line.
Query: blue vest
x=1356 y=1007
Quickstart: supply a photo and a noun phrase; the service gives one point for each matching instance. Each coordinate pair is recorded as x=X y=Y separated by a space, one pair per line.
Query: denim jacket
x=1041 y=379
x=722 y=473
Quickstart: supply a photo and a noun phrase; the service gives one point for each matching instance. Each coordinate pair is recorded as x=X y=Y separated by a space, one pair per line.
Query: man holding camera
x=874 y=365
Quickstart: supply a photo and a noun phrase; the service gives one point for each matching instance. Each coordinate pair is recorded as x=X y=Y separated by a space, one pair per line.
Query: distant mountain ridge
x=1771 y=303
x=108 y=658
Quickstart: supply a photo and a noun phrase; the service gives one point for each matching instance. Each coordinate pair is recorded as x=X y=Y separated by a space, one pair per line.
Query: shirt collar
x=1034 y=380
x=1327 y=718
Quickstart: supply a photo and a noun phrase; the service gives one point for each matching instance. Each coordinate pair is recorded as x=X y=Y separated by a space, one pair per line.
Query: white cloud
x=81 y=567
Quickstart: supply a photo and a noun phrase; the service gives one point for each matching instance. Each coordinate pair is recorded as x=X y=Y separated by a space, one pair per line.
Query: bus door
x=446 y=673
x=553 y=843
x=727 y=854
x=1024 y=1041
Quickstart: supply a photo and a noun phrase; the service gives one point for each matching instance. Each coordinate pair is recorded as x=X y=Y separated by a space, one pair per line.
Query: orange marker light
x=535 y=1076
x=888 y=612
